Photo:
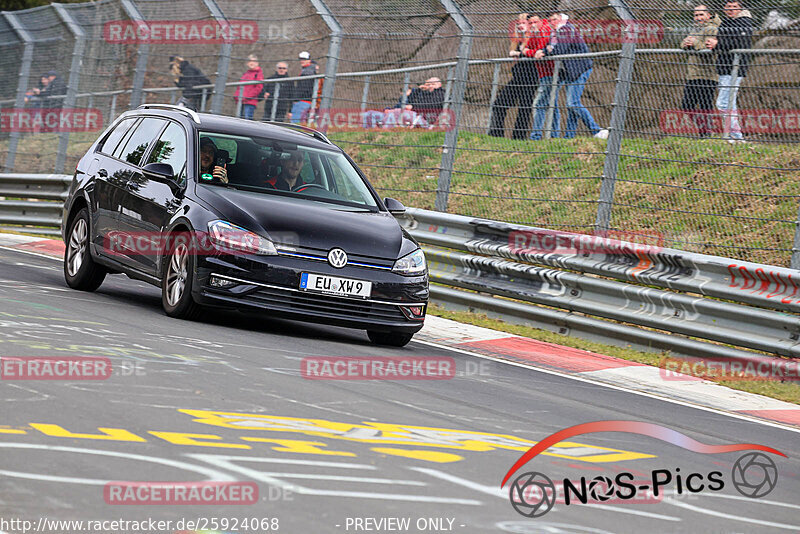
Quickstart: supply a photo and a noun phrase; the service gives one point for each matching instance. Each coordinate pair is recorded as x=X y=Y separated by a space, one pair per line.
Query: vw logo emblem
x=337 y=258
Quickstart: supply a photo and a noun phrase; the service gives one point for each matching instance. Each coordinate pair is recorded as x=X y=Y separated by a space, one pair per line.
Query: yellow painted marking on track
x=108 y=434
x=11 y=431
x=299 y=446
x=393 y=434
x=182 y=438
x=428 y=456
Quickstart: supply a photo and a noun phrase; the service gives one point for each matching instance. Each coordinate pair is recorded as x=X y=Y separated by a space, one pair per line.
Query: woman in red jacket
x=539 y=38
x=250 y=93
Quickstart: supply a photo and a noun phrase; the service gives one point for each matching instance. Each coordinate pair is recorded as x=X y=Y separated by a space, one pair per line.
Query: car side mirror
x=160 y=171
x=394 y=206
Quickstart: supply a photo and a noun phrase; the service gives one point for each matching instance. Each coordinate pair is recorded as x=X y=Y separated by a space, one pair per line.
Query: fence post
x=552 y=102
x=73 y=82
x=406 y=83
x=334 y=47
x=275 y=101
x=142 y=55
x=493 y=97
x=617 y=127
x=365 y=94
x=22 y=83
x=218 y=98
x=457 y=98
x=448 y=88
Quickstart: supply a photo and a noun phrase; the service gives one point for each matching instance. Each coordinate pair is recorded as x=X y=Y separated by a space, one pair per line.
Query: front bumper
x=271 y=284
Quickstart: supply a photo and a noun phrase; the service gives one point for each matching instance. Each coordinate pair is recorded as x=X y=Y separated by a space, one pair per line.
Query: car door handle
x=102 y=173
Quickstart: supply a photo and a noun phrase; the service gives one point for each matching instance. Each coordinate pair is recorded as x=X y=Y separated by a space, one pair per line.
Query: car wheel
x=80 y=270
x=176 y=285
x=392 y=339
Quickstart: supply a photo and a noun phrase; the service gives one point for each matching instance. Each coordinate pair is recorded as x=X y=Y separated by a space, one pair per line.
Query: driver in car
x=289 y=177
x=209 y=171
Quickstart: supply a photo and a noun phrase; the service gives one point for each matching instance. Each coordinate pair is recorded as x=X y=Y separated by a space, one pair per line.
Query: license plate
x=333 y=285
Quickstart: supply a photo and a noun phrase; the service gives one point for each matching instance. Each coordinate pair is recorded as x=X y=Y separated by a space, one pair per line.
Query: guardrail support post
x=218 y=98
x=22 y=82
x=460 y=76
x=627 y=60
x=142 y=55
x=334 y=48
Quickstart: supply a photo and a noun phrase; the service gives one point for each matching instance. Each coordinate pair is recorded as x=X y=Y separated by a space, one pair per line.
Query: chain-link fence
x=687 y=143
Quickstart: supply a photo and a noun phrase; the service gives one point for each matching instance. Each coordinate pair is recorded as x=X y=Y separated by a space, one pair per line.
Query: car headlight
x=413 y=263
x=232 y=238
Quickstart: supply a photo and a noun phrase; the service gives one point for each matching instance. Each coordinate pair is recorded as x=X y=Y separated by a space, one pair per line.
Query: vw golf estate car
x=224 y=212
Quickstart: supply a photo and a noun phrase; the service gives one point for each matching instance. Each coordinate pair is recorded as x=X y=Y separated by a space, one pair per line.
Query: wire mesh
x=679 y=182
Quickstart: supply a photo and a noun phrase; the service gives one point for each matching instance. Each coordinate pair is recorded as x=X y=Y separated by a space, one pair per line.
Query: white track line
x=735 y=415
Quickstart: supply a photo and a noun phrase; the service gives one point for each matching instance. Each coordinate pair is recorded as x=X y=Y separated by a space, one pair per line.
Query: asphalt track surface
x=327 y=463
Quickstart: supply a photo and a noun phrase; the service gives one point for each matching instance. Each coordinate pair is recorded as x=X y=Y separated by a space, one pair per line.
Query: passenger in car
x=210 y=172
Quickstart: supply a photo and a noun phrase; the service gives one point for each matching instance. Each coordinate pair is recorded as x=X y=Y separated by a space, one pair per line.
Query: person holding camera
x=212 y=168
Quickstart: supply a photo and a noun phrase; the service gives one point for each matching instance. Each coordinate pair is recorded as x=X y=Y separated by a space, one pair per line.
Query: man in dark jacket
x=521 y=88
x=303 y=89
x=735 y=32
x=566 y=39
x=428 y=99
x=55 y=87
x=284 y=93
x=187 y=77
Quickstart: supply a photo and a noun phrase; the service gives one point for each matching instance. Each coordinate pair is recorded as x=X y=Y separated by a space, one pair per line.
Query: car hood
x=308 y=224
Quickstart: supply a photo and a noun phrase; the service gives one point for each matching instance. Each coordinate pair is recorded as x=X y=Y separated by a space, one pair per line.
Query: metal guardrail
x=590 y=286
x=696 y=297
x=32 y=203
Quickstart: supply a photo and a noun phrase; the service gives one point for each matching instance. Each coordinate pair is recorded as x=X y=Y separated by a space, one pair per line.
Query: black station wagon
x=225 y=212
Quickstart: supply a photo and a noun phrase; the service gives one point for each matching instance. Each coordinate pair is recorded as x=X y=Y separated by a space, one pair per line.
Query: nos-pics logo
x=533 y=494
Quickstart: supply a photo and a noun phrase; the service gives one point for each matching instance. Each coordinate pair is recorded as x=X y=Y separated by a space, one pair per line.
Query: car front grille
x=304 y=302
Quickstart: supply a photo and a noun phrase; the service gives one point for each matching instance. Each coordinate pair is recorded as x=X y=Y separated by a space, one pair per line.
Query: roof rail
x=171 y=107
x=304 y=129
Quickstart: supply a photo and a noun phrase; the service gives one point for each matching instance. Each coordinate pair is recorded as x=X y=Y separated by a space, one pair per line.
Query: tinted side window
x=138 y=142
x=171 y=148
x=116 y=135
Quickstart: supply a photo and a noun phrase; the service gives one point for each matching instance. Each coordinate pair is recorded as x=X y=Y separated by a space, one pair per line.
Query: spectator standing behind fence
x=735 y=32
x=187 y=77
x=303 y=89
x=539 y=37
x=284 y=93
x=698 y=93
x=250 y=93
x=54 y=87
x=566 y=39
x=520 y=89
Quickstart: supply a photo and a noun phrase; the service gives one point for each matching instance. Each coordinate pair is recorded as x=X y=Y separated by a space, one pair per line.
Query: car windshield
x=275 y=167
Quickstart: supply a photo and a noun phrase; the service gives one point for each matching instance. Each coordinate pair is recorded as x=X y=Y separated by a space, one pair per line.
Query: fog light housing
x=415 y=313
x=222 y=283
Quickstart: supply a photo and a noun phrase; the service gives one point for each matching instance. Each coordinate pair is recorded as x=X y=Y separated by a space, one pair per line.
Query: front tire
x=176 y=285
x=391 y=339
x=80 y=270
